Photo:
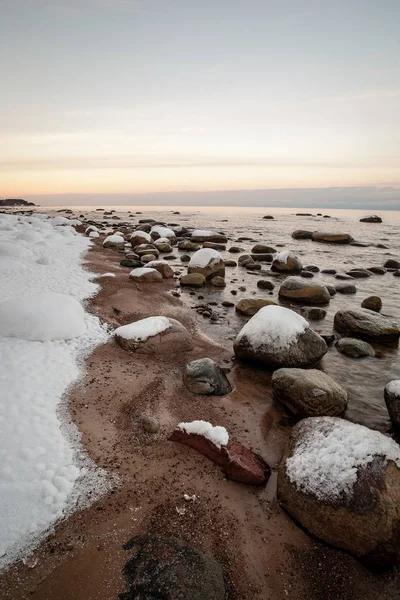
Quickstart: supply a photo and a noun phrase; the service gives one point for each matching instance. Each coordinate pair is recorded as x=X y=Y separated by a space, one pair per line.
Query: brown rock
x=249 y=306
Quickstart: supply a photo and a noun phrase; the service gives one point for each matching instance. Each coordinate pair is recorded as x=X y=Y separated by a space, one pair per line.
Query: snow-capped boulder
x=392 y=399
x=208 y=262
x=94 y=234
x=298 y=290
x=368 y=324
x=279 y=337
x=114 y=241
x=204 y=235
x=59 y=221
x=286 y=262
x=42 y=317
x=309 y=392
x=250 y=306
x=162 y=267
x=91 y=228
x=158 y=231
x=159 y=335
x=146 y=275
x=140 y=237
x=237 y=462
x=204 y=376
x=341 y=482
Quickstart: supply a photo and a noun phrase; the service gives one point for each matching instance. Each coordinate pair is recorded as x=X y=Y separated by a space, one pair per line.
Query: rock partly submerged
x=367 y=324
x=279 y=337
x=298 y=290
x=341 y=482
x=207 y=262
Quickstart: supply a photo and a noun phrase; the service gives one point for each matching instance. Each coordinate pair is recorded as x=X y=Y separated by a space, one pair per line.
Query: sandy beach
x=263 y=552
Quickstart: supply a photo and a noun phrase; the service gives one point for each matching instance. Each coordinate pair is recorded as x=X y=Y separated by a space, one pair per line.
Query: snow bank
x=56 y=221
x=14 y=250
x=217 y=435
x=140 y=331
x=393 y=387
x=44 y=473
x=273 y=325
x=42 y=317
x=328 y=453
x=204 y=257
x=164 y=232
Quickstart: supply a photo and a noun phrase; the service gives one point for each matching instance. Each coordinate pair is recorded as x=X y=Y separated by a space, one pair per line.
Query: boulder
x=341 y=482
x=264 y=284
x=359 y=273
x=165 y=567
x=235 y=249
x=392 y=264
x=249 y=306
x=230 y=263
x=372 y=303
x=208 y=262
x=145 y=275
x=313 y=313
x=188 y=246
x=297 y=290
x=139 y=237
x=200 y=235
x=331 y=238
x=114 y=241
x=159 y=231
x=346 y=288
x=269 y=217
x=367 y=324
x=147 y=258
x=163 y=247
x=218 y=281
x=193 y=280
x=245 y=260
x=286 y=262
x=143 y=249
x=205 y=377
x=237 y=462
x=392 y=399
x=279 y=337
x=354 y=348
x=302 y=234
x=263 y=257
x=377 y=270
x=371 y=219
x=262 y=249
x=132 y=263
x=154 y=335
x=162 y=267
x=214 y=245
x=309 y=393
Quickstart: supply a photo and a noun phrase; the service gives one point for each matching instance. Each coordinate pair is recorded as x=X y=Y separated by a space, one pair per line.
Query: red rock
x=236 y=461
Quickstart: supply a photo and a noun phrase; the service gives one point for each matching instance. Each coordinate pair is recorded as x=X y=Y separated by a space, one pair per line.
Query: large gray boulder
x=392 y=399
x=204 y=376
x=309 y=392
x=298 y=290
x=367 y=324
x=341 y=482
x=279 y=337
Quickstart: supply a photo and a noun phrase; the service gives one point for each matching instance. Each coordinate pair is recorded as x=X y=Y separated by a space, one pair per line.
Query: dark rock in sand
x=188 y=246
x=262 y=249
x=185 y=258
x=312 y=268
x=329 y=271
x=253 y=266
x=227 y=304
x=193 y=280
x=214 y=245
x=167 y=568
x=230 y=263
x=306 y=274
x=263 y=257
x=205 y=377
x=371 y=219
x=131 y=262
x=377 y=270
x=237 y=462
x=372 y=303
x=355 y=348
x=367 y=324
x=359 y=273
x=309 y=393
x=235 y=249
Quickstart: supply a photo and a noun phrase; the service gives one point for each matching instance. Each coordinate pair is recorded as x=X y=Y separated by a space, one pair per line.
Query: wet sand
x=265 y=554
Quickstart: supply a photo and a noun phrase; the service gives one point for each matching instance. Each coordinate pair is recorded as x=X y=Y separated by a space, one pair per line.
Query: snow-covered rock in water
x=237 y=462
x=13 y=250
x=159 y=335
x=140 y=237
x=158 y=231
x=341 y=482
x=279 y=337
x=392 y=399
x=298 y=290
x=207 y=262
x=286 y=262
x=42 y=317
x=204 y=235
x=146 y=275
x=367 y=324
x=162 y=267
x=94 y=234
x=114 y=241
x=204 y=376
x=309 y=392
x=91 y=228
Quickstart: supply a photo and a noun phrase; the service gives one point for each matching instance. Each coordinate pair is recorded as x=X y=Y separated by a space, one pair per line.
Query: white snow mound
x=274 y=326
x=217 y=435
x=329 y=452
x=42 y=317
x=204 y=257
x=140 y=331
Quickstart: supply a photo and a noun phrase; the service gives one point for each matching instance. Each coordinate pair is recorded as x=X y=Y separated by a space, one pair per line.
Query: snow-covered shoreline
x=44 y=471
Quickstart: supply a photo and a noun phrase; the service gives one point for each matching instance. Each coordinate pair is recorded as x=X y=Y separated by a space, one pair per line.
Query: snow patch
x=217 y=435
x=140 y=331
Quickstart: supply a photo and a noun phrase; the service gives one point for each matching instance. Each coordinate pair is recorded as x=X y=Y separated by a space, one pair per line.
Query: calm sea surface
x=364 y=378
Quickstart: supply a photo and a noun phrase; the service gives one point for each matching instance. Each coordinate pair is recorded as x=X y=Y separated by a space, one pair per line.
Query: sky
x=144 y=99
